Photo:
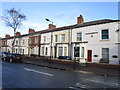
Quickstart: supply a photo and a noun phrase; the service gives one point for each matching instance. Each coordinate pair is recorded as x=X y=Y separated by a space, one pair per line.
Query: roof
x=96 y=22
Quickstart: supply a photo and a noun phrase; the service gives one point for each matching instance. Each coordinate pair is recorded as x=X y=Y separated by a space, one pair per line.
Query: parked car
x=4 y=54
x=13 y=57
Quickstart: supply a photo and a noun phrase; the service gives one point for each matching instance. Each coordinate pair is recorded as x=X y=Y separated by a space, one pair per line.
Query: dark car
x=13 y=57
x=4 y=55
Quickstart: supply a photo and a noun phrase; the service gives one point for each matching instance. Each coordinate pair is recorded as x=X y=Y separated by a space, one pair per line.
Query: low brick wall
x=64 y=64
x=54 y=63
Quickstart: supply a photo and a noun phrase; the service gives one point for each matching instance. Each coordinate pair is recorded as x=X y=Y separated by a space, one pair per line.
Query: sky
x=61 y=13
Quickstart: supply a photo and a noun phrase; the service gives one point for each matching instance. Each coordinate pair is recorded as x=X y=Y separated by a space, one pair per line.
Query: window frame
x=62 y=37
x=102 y=35
x=56 y=38
x=105 y=53
x=82 y=52
x=79 y=38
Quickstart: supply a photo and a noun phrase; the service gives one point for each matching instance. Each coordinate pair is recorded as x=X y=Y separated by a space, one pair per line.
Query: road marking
x=85 y=72
x=38 y=72
x=105 y=83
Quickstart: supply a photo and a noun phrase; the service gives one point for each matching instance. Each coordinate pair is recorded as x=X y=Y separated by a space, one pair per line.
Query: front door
x=89 y=56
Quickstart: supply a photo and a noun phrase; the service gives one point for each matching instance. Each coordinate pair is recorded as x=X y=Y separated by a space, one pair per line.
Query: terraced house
x=94 y=41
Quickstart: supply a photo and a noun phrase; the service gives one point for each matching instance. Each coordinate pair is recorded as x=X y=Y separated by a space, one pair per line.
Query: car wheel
x=11 y=60
x=4 y=59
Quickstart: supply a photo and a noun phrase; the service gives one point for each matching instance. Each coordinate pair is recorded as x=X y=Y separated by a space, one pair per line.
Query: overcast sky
x=61 y=13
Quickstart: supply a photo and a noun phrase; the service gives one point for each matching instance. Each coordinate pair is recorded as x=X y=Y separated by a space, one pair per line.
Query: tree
x=13 y=18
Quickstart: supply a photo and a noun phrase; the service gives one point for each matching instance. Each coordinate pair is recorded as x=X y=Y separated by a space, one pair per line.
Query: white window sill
x=105 y=40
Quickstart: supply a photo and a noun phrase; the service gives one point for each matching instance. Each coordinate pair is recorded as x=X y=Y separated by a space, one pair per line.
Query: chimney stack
x=7 y=36
x=18 y=34
x=31 y=30
x=80 y=19
x=51 y=26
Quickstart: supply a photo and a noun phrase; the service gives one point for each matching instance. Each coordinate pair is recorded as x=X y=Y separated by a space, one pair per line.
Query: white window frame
x=65 y=51
x=82 y=52
x=105 y=53
x=62 y=37
x=79 y=37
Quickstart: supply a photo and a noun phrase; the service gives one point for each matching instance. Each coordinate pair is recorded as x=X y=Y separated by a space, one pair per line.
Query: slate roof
x=84 y=24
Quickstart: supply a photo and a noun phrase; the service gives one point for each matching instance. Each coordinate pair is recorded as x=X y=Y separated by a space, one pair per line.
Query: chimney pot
x=31 y=30
x=51 y=26
x=18 y=34
x=7 y=36
x=80 y=19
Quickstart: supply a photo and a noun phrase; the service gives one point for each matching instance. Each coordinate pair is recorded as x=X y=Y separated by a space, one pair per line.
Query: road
x=19 y=75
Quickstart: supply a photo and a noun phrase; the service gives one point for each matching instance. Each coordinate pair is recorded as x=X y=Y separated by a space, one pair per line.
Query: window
x=23 y=51
x=79 y=36
x=65 y=51
x=30 y=41
x=82 y=52
x=16 y=51
x=105 y=34
x=23 y=41
x=105 y=53
x=60 y=51
x=56 y=38
x=44 y=38
x=42 y=50
x=62 y=37
x=36 y=40
x=46 y=51
x=76 y=51
x=17 y=42
x=32 y=50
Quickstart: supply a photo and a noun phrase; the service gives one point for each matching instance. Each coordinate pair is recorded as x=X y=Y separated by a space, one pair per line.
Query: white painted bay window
x=82 y=52
x=60 y=51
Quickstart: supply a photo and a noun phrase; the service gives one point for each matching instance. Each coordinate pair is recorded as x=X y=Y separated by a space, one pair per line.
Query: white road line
x=105 y=83
x=85 y=72
x=38 y=72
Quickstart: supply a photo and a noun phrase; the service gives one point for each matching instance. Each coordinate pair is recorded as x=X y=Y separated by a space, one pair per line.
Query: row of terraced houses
x=86 y=41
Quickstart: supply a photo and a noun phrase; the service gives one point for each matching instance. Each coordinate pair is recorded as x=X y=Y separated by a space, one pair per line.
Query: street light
x=75 y=56
x=51 y=38
x=48 y=20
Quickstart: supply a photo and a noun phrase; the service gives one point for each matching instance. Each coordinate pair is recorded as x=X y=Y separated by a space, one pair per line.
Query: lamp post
x=49 y=20
x=51 y=39
x=75 y=56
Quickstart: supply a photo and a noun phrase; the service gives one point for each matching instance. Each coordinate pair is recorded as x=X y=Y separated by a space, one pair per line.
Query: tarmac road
x=19 y=75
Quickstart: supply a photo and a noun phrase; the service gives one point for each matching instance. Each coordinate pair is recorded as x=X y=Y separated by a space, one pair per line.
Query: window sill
x=105 y=40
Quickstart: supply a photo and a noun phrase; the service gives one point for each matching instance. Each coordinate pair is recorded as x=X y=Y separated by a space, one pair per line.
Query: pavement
x=101 y=71
x=83 y=68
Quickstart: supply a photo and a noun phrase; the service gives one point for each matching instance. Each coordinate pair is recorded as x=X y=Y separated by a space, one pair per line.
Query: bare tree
x=13 y=18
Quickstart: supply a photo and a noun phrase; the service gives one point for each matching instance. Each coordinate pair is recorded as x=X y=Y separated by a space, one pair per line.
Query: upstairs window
x=30 y=41
x=62 y=37
x=44 y=38
x=17 y=42
x=105 y=34
x=79 y=36
x=56 y=38
x=36 y=40
x=23 y=41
